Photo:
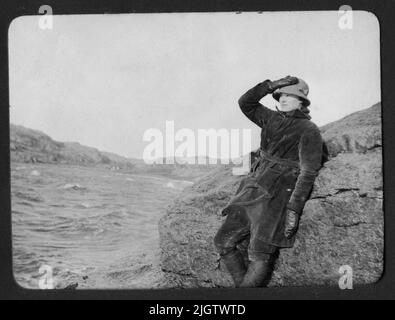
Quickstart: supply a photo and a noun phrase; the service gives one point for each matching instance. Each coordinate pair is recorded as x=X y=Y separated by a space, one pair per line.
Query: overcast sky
x=102 y=80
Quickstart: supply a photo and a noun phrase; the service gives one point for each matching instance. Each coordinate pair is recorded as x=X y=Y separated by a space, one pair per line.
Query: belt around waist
x=286 y=162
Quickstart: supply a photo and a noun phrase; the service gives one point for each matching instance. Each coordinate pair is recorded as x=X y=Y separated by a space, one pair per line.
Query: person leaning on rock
x=263 y=215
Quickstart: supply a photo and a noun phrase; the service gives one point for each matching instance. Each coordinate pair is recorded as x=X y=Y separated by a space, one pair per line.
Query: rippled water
x=90 y=225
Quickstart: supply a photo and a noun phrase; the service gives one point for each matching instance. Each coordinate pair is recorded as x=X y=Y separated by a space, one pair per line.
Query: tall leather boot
x=234 y=262
x=258 y=273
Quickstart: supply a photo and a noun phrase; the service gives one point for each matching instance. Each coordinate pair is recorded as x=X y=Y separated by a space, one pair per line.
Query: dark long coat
x=290 y=156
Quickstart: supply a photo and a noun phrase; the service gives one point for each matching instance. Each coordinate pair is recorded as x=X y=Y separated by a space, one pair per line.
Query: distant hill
x=33 y=146
x=28 y=145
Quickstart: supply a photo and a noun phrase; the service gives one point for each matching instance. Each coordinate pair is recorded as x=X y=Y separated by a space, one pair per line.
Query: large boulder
x=342 y=223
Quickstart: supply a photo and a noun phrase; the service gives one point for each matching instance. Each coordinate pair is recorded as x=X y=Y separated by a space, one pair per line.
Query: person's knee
x=224 y=242
x=220 y=242
x=232 y=231
x=259 y=250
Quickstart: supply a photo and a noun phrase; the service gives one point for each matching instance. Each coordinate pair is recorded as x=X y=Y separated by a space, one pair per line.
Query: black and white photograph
x=196 y=150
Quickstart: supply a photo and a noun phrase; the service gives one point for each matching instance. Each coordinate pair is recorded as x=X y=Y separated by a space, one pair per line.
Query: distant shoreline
x=159 y=175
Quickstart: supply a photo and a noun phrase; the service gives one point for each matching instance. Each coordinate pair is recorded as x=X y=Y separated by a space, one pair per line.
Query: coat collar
x=304 y=113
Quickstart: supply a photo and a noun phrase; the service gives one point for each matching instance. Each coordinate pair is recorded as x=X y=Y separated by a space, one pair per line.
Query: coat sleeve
x=250 y=106
x=310 y=158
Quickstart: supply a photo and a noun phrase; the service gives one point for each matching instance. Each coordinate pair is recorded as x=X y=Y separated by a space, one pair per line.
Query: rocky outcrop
x=28 y=145
x=358 y=132
x=342 y=223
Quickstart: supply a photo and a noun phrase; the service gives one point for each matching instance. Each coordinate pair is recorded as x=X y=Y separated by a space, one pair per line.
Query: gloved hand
x=283 y=82
x=291 y=223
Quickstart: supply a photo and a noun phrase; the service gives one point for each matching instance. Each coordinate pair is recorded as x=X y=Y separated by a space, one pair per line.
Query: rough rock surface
x=342 y=223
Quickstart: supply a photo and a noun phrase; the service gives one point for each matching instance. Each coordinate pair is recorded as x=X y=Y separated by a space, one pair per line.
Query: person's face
x=289 y=102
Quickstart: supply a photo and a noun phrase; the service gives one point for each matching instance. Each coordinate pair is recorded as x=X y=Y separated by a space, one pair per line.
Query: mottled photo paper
x=196 y=150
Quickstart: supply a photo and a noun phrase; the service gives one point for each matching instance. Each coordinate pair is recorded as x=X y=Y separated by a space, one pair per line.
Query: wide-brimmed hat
x=300 y=89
